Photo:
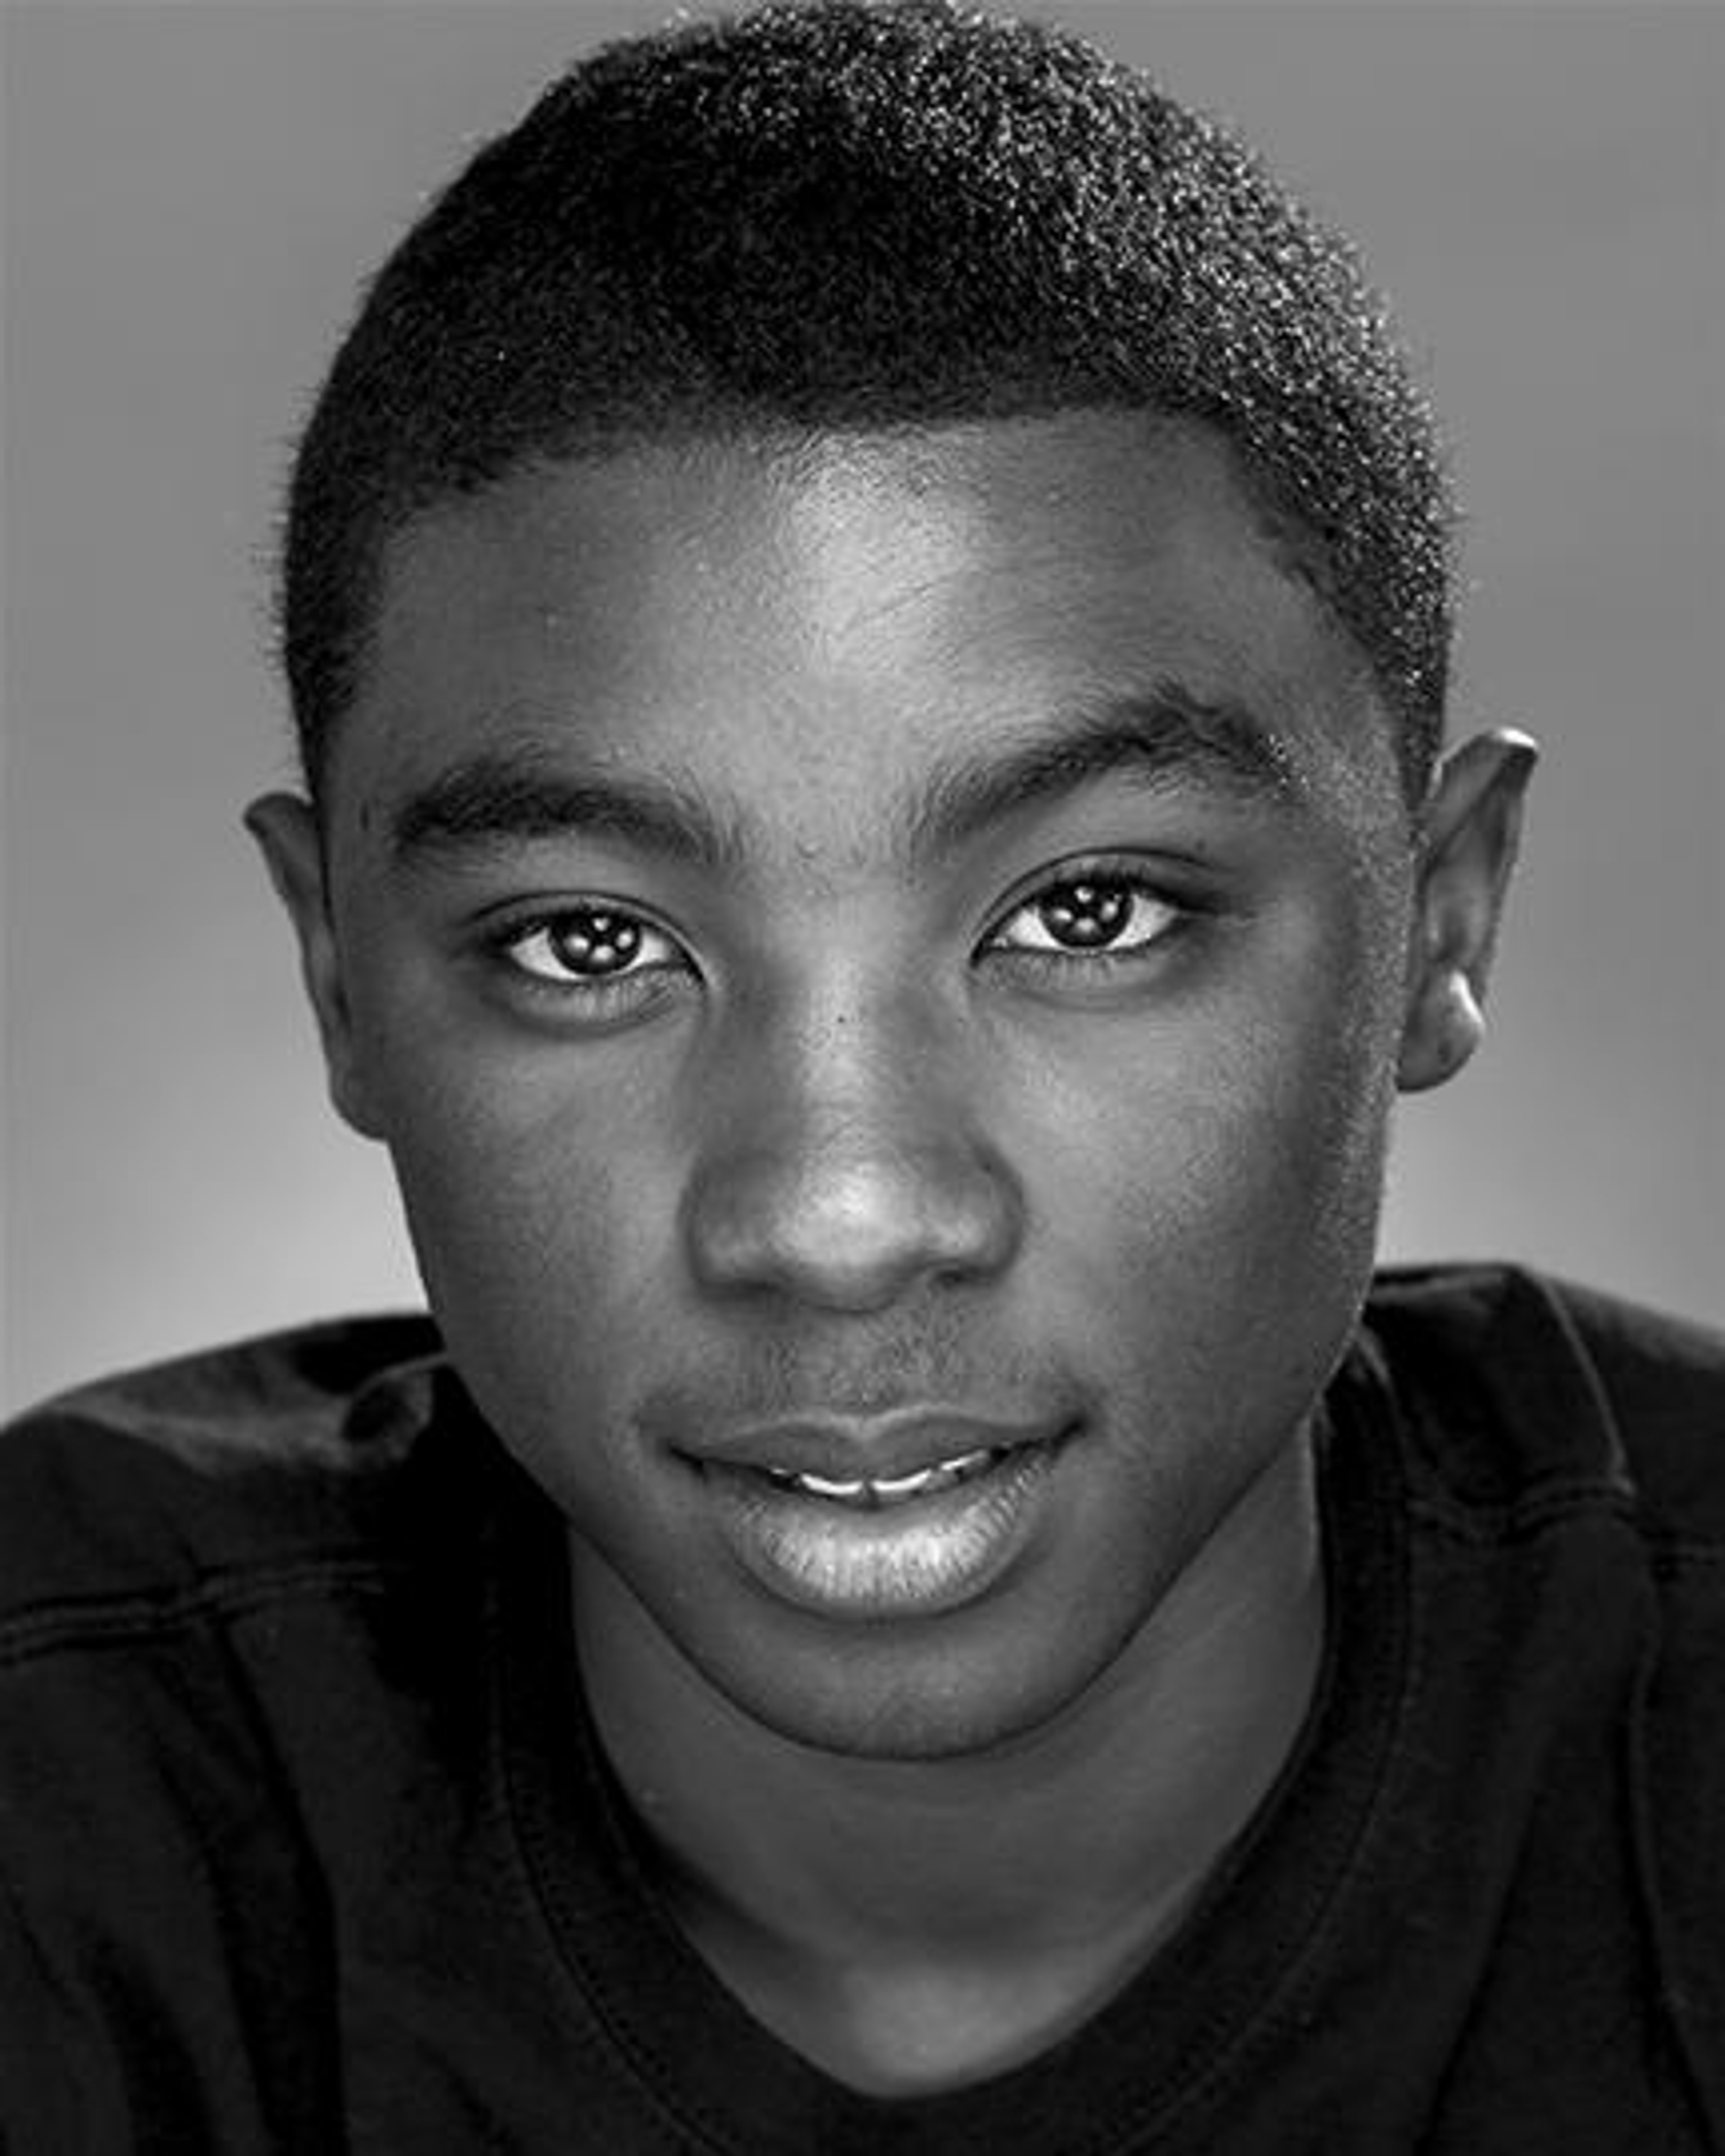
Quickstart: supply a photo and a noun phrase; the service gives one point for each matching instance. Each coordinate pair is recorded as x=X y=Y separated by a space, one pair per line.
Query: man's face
x=881 y=956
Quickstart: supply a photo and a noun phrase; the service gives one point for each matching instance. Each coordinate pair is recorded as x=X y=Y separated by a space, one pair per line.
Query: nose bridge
x=847 y=1157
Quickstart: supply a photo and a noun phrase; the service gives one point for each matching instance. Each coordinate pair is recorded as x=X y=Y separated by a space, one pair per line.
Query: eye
x=1089 y=915
x=589 y=946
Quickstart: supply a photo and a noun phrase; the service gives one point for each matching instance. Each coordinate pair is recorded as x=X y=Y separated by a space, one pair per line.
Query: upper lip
x=844 y=1449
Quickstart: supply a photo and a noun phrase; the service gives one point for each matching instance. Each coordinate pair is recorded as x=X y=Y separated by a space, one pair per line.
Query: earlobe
x=1470 y=829
x=286 y=831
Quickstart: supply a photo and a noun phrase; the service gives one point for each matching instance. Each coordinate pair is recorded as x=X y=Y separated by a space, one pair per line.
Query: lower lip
x=913 y=1559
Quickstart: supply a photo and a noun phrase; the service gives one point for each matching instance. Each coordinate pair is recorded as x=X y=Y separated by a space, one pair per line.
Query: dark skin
x=1019 y=1041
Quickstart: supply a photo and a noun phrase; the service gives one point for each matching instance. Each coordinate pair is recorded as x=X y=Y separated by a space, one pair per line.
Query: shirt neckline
x=1162 y=2051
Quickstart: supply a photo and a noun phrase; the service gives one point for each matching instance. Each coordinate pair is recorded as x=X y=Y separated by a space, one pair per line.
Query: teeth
x=822 y=1488
x=888 y=1490
x=906 y=1486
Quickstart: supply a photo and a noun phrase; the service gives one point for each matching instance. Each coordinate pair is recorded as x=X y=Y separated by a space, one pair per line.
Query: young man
x=867 y=608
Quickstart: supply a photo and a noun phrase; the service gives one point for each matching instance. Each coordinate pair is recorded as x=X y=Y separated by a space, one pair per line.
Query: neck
x=1100 y=1826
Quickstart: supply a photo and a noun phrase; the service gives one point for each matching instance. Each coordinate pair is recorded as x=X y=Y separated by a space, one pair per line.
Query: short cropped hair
x=838 y=217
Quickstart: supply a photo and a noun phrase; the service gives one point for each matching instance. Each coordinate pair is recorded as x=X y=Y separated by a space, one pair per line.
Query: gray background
x=192 y=194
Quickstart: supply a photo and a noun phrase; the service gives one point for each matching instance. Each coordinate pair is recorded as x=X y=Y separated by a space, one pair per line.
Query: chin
x=967 y=1696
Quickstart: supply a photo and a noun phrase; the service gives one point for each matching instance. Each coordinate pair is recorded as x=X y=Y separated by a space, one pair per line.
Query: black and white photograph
x=864 y=1074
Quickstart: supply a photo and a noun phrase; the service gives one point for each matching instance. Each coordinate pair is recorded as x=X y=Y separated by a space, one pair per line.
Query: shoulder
x=177 y=1477
x=1517 y=1381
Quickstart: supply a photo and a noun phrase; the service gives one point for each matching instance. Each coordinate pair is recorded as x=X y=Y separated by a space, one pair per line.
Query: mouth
x=919 y=1540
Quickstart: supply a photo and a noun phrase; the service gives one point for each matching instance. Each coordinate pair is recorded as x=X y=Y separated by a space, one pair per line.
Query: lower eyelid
x=622 y=998
x=636 y=977
x=1100 y=960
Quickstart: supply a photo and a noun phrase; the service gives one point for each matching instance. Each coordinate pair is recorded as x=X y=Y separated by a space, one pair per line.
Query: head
x=866 y=605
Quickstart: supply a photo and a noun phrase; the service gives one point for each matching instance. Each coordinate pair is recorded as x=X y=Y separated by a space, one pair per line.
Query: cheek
x=533 y=1221
x=1214 y=1179
x=1208 y=1246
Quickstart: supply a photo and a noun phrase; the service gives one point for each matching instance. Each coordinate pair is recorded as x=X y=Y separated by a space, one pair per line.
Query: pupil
x=1086 y=915
x=597 y=942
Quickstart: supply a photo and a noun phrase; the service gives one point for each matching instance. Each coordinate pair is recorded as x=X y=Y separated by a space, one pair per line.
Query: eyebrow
x=1163 y=736
x=515 y=793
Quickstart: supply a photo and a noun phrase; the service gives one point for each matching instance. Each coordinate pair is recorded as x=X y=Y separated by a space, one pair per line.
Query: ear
x=286 y=830
x=1470 y=829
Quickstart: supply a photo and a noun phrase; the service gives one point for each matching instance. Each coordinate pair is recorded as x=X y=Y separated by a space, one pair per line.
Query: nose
x=843 y=1172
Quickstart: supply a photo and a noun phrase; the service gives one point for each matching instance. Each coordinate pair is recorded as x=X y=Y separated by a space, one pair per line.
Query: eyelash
x=602 y=994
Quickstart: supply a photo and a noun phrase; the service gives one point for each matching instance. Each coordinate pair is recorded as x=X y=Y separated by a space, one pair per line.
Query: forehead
x=862 y=606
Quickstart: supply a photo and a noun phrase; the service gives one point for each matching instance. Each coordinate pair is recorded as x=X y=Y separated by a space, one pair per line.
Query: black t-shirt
x=306 y=1845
